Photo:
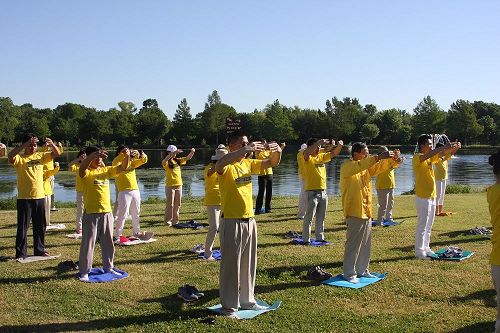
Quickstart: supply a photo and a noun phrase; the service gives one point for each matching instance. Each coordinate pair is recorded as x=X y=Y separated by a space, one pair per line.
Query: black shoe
x=186 y=295
x=193 y=290
x=268 y=211
x=318 y=274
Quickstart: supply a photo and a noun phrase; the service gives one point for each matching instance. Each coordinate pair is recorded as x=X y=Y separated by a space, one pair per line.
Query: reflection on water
x=464 y=169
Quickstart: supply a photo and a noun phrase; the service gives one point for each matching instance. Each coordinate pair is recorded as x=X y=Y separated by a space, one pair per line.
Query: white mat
x=74 y=236
x=29 y=259
x=136 y=242
x=59 y=226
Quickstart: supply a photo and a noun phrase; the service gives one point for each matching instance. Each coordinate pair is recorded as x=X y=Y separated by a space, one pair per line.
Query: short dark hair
x=27 y=137
x=494 y=160
x=311 y=141
x=357 y=147
x=80 y=153
x=119 y=149
x=423 y=139
x=235 y=136
x=91 y=149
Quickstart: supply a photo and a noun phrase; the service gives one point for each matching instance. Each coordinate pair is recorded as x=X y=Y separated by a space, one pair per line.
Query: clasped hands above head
x=260 y=146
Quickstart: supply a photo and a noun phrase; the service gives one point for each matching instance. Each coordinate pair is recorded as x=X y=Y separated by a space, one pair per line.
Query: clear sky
x=387 y=53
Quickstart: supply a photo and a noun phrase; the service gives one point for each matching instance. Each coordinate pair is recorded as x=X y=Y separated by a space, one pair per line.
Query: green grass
x=417 y=296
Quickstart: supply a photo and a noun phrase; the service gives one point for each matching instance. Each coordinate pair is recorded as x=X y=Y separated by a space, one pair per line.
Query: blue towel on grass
x=313 y=242
x=99 y=275
x=215 y=253
x=249 y=314
x=338 y=281
x=465 y=255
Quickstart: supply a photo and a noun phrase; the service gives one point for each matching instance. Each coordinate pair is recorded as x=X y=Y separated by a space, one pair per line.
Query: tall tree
x=277 y=124
x=151 y=123
x=428 y=117
x=462 y=122
x=183 y=124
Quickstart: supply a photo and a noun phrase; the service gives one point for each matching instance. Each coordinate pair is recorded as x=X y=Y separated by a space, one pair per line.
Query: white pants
x=79 y=211
x=302 y=201
x=47 y=208
x=495 y=275
x=426 y=208
x=128 y=200
x=213 y=213
x=440 y=191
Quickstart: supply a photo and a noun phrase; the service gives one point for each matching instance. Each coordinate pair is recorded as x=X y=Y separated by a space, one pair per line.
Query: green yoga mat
x=465 y=255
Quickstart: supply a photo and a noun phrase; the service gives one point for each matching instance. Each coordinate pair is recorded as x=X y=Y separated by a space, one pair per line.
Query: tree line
x=74 y=124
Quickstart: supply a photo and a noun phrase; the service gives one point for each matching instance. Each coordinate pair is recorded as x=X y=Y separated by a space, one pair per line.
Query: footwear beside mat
x=313 y=242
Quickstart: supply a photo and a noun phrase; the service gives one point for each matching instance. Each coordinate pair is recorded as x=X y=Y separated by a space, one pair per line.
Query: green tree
x=428 y=117
x=462 y=122
x=277 y=124
x=369 y=132
x=9 y=119
x=490 y=129
x=183 y=125
x=213 y=117
x=151 y=123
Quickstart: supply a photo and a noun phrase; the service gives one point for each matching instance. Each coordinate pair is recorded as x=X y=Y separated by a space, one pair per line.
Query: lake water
x=463 y=169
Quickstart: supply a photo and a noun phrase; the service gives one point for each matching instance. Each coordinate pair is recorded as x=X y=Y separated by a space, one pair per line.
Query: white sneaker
x=84 y=278
x=422 y=256
x=231 y=315
x=429 y=252
x=198 y=248
x=352 y=279
x=256 y=307
x=112 y=271
x=367 y=274
x=169 y=224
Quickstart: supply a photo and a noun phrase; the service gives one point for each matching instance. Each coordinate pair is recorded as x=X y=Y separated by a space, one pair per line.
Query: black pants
x=30 y=209
x=265 y=185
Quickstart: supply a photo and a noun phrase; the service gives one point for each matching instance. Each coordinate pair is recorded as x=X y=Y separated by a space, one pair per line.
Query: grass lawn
x=417 y=296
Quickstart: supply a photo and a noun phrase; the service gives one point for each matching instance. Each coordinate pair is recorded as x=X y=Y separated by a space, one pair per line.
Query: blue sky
x=387 y=53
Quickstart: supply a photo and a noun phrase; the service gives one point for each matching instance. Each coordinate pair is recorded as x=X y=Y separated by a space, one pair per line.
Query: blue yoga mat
x=465 y=255
x=313 y=242
x=215 y=253
x=99 y=275
x=249 y=314
x=338 y=281
x=387 y=223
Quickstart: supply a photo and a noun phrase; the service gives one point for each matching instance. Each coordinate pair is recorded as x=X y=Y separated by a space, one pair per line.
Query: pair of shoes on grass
x=318 y=274
x=189 y=293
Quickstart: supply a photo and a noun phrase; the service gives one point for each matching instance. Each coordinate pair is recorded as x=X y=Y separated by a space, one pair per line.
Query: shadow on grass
x=169 y=256
x=486 y=296
x=465 y=233
x=485 y=326
x=36 y=279
x=453 y=242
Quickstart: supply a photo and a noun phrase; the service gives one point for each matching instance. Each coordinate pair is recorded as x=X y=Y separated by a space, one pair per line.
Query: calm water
x=464 y=169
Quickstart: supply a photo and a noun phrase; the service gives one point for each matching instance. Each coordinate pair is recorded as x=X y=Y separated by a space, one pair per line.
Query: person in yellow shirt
x=49 y=170
x=302 y=196
x=74 y=166
x=425 y=191
x=314 y=172
x=129 y=196
x=265 y=181
x=97 y=219
x=30 y=193
x=441 y=174
x=212 y=200
x=238 y=230
x=493 y=198
x=384 y=184
x=173 y=190
x=356 y=192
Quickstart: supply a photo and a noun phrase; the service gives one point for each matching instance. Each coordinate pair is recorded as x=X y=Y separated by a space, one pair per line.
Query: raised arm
x=436 y=151
x=18 y=149
x=86 y=162
x=310 y=150
x=275 y=158
x=337 y=149
x=237 y=155
x=190 y=155
x=125 y=161
x=169 y=156
x=55 y=148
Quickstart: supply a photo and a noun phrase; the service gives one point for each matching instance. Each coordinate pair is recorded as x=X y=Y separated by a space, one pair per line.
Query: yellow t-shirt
x=173 y=175
x=425 y=186
x=386 y=180
x=47 y=187
x=235 y=185
x=493 y=197
x=441 y=167
x=127 y=180
x=96 y=189
x=356 y=185
x=300 y=163
x=212 y=194
x=314 y=171
x=264 y=155
x=29 y=169
x=76 y=168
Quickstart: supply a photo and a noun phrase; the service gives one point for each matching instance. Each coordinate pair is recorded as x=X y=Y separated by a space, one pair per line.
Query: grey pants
x=317 y=201
x=96 y=226
x=238 y=240
x=357 y=246
x=385 y=204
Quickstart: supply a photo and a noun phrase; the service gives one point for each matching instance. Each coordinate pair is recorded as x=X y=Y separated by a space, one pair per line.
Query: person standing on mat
x=265 y=180
x=356 y=191
x=238 y=230
x=493 y=198
x=129 y=196
x=314 y=172
x=212 y=200
x=173 y=190
x=30 y=194
x=300 y=169
x=74 y=166
x=425 y=191
x=384 y=184
x=441 y=174
x=98 y=219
